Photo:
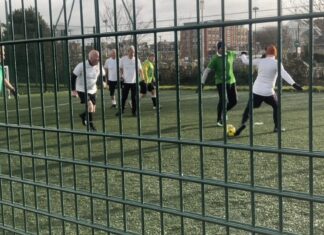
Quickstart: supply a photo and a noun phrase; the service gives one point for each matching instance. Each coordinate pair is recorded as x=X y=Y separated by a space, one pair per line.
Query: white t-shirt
x=111 y=66
x=128 y=66
x=92 y=73
x=267 y=75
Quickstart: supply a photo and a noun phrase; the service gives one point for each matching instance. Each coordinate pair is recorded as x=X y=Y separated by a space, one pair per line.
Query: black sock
x=154 y=101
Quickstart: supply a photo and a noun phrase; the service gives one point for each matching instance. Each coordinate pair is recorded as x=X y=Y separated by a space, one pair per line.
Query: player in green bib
x=3 y=80
x=216 y=64
x=148 y=81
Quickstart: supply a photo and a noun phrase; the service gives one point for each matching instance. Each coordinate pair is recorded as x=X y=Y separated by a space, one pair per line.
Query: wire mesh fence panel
x=123 y=117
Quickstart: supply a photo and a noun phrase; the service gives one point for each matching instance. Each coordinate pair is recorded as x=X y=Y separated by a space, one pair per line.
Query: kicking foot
x=239 y=130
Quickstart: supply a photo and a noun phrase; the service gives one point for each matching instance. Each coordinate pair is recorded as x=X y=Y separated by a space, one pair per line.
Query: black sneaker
x=83 y=120
x=113 y=106
x=119 y=113
x=276 y=129
x=134 y=114
x=92 y=128
x=239 y=130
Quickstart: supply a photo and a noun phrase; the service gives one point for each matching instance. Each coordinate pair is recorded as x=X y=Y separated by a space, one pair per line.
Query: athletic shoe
x=92 y=128
x=276 y=129
x=118 y=113
x=134 y=114
x=113 y=106
x=239 y=130
x=219 y=123
x=154 y=107
x=83 y=120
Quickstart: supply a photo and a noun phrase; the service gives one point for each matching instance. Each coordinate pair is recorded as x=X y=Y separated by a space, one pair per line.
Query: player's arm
x=244 y=58
x=145 y=72
x=73 y=81
x=203 y=78
x=205 y=75
x=140 y=70
x=286 y=76
x=107 y=75
x=10 y=87
x=121 y=69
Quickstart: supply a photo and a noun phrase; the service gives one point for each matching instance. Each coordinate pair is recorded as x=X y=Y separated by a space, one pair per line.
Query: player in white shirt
x=263 y=87
x=87 y=83
x=127 y=67
x=111 y=76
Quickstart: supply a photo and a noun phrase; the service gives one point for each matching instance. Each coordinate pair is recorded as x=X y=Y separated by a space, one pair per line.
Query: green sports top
x=1 y=78
x=148 y=71
x=216 y=63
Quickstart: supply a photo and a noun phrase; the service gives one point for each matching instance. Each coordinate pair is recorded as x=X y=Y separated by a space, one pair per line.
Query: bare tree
x=269 y=35
x=124 y=20
x=302 y=6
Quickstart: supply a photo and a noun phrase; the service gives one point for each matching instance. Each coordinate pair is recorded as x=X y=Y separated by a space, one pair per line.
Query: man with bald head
x=86 y=86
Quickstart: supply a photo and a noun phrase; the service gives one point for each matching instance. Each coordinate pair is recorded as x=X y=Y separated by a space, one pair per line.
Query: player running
x=86 y=86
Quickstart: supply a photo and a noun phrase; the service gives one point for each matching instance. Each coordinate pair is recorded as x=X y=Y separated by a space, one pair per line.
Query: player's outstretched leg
x=240 y=129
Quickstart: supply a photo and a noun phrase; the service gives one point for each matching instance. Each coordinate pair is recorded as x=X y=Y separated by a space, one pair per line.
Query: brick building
x=236 y=38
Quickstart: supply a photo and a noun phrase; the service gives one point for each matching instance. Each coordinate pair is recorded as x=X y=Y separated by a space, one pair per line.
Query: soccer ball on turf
x=231 y=130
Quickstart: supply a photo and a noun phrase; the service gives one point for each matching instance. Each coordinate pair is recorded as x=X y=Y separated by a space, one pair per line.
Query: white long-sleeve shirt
x=267 y=75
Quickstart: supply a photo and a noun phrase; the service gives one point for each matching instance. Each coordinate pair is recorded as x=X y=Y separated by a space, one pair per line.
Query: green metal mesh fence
x=170 y=170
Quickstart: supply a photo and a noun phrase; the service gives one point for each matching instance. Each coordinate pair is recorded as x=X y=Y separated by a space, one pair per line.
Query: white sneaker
x=219 y=123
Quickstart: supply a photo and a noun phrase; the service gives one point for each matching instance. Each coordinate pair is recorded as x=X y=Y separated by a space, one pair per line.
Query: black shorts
x=91 y=97
x=112 y=87
x=146 y=87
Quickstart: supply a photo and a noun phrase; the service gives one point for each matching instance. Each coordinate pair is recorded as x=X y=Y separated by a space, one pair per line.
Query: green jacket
x=216 y=63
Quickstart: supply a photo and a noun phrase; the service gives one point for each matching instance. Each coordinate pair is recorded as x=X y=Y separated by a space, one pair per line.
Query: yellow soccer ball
x=231 y=130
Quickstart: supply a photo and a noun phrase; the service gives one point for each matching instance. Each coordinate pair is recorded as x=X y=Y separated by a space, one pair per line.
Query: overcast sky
x=186 y=10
